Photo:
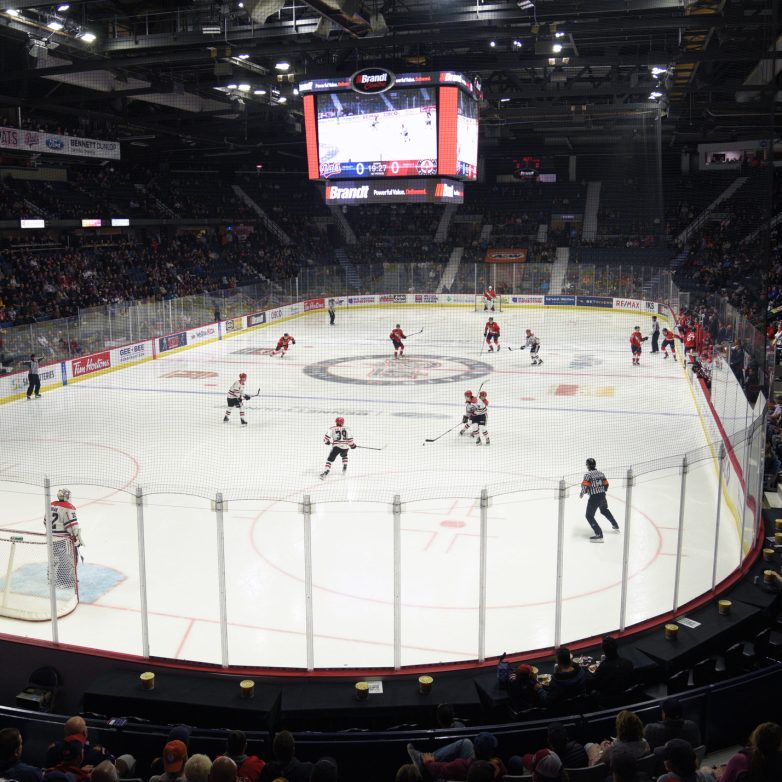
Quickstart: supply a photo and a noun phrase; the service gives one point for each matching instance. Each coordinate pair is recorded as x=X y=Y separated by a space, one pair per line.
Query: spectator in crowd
x=672 y=726
x=446 y=718
x=285 y=763
x=249 y=767
x=523 y=689
x=761 y=761
x=173 y=761
x=408 y=773
x=567 y=681
x=11 y=766
x=105 y=771
x=71 y=754
x=75 y=729
x=680 y=764
x=126 y=767
x=547 y=767
x=629 y=734
x=325 y=770
x=624 y=767
x=481 y=771
x=613 y=676
x=438 y=766
x=571 y=753
x=223 y=770
x=197 y=768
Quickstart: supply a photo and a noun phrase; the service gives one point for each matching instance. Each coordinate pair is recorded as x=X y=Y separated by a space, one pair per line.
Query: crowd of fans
x=669 y=750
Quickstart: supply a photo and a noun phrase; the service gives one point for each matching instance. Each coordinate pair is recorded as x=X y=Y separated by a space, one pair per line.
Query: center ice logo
x=379 y=371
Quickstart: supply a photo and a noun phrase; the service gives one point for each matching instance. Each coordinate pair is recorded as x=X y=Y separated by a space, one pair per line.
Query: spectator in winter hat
x=547 y=767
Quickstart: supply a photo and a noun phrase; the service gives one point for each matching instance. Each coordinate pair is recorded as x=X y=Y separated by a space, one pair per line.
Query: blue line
x=392 y=401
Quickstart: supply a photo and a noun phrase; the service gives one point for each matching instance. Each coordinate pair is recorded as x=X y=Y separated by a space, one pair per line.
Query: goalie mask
x=64 y=495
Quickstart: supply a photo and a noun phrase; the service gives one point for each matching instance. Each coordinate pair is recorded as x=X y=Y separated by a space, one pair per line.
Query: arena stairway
x=351 y=272
x=726 y=194
x=451 y=269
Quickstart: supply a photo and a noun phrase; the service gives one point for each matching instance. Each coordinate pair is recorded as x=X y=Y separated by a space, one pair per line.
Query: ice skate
x=244 y=423
x=478 y=441
x=226 y=418
x=596 y=539
x=488 y=441
x=344 y=468
x=324 y=475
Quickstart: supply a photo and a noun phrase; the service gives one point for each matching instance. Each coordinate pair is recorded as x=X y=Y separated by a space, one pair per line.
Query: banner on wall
x=527 y=299
x=506 y=255
x=234 y=324
x=172 y=341
x=595 y=301
x=89 y=364
x=256 y=319
x=314 y=304
x=559 y=300
x=55 y=144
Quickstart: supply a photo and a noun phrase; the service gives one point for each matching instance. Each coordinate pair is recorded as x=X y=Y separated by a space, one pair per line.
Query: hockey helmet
x=491 y=320
x=637 y=328
x=340 y=421
x=529 y=331
x=243 y=376
x=482 y=394
x=64 y=495
x=490 y=288
x=397 y=326
x=591 y=464
x=468 y=393
x=285 y=334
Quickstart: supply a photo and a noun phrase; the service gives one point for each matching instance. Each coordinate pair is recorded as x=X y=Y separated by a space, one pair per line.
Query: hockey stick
x=370 y=448
x=523 y=347
x=420 y=331
x=435 y=439
x=482 y=385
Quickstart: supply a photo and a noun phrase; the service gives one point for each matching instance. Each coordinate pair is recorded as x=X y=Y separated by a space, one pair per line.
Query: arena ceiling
x=557 y=74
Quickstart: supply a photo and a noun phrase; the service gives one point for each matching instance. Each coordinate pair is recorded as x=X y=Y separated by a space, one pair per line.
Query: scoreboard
x=377 y=125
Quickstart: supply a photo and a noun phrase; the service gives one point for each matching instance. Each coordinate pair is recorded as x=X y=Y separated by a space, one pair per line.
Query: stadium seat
x=704 y=672
x=596 y=773
x=678 y=682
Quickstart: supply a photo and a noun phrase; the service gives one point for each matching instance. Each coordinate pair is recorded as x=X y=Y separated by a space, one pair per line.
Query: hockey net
x=480 y=303
x=24 y=576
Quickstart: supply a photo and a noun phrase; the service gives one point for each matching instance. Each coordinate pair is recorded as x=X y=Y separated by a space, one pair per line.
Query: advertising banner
x=202 y=333
x=393 y=298
x=274 y=314
x=314 y=304
x=595 y=301
x=362 y=299
x=54 y=144
x=18 y=381
x=527 y=299
x=628 y=304
x=400 y=191
x=131 y=352
x=507 y=255
x=172 y=341
x=559 y=300
x=234 y=324
x=256 y=319
x=89 y=364
x=426 y=298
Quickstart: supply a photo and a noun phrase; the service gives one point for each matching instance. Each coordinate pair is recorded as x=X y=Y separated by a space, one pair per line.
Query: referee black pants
x=598 y=502
x=33 y=384
x=655 y=340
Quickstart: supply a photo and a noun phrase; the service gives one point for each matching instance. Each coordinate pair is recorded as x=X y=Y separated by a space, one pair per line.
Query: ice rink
x=159 y=425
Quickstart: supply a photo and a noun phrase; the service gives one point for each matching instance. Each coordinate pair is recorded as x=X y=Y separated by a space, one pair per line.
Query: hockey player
x=332 y=311
x=282 y=344
x=236 y=397
x=396 y=336
x=636 y=340
x=669 y=341
x=66 y=537
x=340 y=439
x=405 y=134
x=469 y=408
x=690 y=341
x=478 y=418
x=492 y=333
x=533 y=343
x=428 y=117
x=489 y=297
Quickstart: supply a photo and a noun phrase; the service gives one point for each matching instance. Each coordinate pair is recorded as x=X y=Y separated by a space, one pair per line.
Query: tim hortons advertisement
x=314 y=304
x=172 y=341
x=234 y=324
x=507 y=255
x=89 y=364
x=256 y=319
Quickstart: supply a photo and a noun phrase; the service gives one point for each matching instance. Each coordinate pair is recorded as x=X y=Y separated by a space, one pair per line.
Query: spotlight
x=517 y=44
x=231 y=86
x=492 y=44
x=282 y=99
x=655 y=95
x=63 y=8
x=88 y=37
x=55 y=25
x=504 y=100
x=259 y=92
x=243 y=88
x=559 y=35
x=657 y=71
x=282 y=65
x=12 y=12
x=244 y=57
x=556 y=48
x=295 y=90
x=525 y=5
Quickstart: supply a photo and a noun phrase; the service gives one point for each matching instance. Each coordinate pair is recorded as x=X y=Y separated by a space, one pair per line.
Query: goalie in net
x=25 y=591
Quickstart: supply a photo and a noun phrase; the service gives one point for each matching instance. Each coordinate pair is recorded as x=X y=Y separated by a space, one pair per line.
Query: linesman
x=595 y=485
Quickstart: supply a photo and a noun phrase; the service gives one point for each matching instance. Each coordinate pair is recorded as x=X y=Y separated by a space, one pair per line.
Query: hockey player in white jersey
x=236 y=398
x=533 y=343
x=469 y=409
x=478 y=418
x=489 y=297
x=340 y=440
x=66 y=538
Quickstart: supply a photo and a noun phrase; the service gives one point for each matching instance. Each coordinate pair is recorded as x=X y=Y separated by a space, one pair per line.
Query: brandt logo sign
x=335 y=193
x=372 y=81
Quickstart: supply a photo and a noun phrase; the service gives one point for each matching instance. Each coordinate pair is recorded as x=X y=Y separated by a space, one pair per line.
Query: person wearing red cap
x=547 y=767
x=174 y=759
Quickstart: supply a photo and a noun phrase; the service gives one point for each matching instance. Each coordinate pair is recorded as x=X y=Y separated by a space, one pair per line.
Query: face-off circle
x=385 y=370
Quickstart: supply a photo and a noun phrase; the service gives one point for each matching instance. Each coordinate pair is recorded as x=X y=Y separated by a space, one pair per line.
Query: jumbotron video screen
x=376 y=124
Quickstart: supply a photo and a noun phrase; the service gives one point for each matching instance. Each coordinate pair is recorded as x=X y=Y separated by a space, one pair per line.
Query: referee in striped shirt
x=595 y=485
x=33 y=378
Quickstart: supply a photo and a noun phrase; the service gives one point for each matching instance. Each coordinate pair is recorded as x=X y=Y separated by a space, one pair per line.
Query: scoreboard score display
x=376 y=124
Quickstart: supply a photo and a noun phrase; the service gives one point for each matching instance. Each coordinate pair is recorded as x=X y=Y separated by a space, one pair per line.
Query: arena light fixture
x=655 y=95
x=282 y=99
x=62 y=8
x=492 y=44
x=55 y=25
x=517 y=44
x=295 y=90
x=559 y=34
x=282 y=65
x=88 y=37
x=231 y=86
x=211 y=29
x=658 y=71
x=525 y=5
x=259 y=92
x=243 y=88
x=12 y=11
x=244 y=56
x=556 y=48
x=504 y=100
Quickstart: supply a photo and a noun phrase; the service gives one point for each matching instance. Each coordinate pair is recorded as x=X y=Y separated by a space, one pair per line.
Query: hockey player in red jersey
x=282 y=344
x=669 y=341
x=689 y=342
x=492 y=333
x=340 y=440
x=236 y=397
x=635 y=345
x=66 y=537
x=396 y=336
x=489 y=297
